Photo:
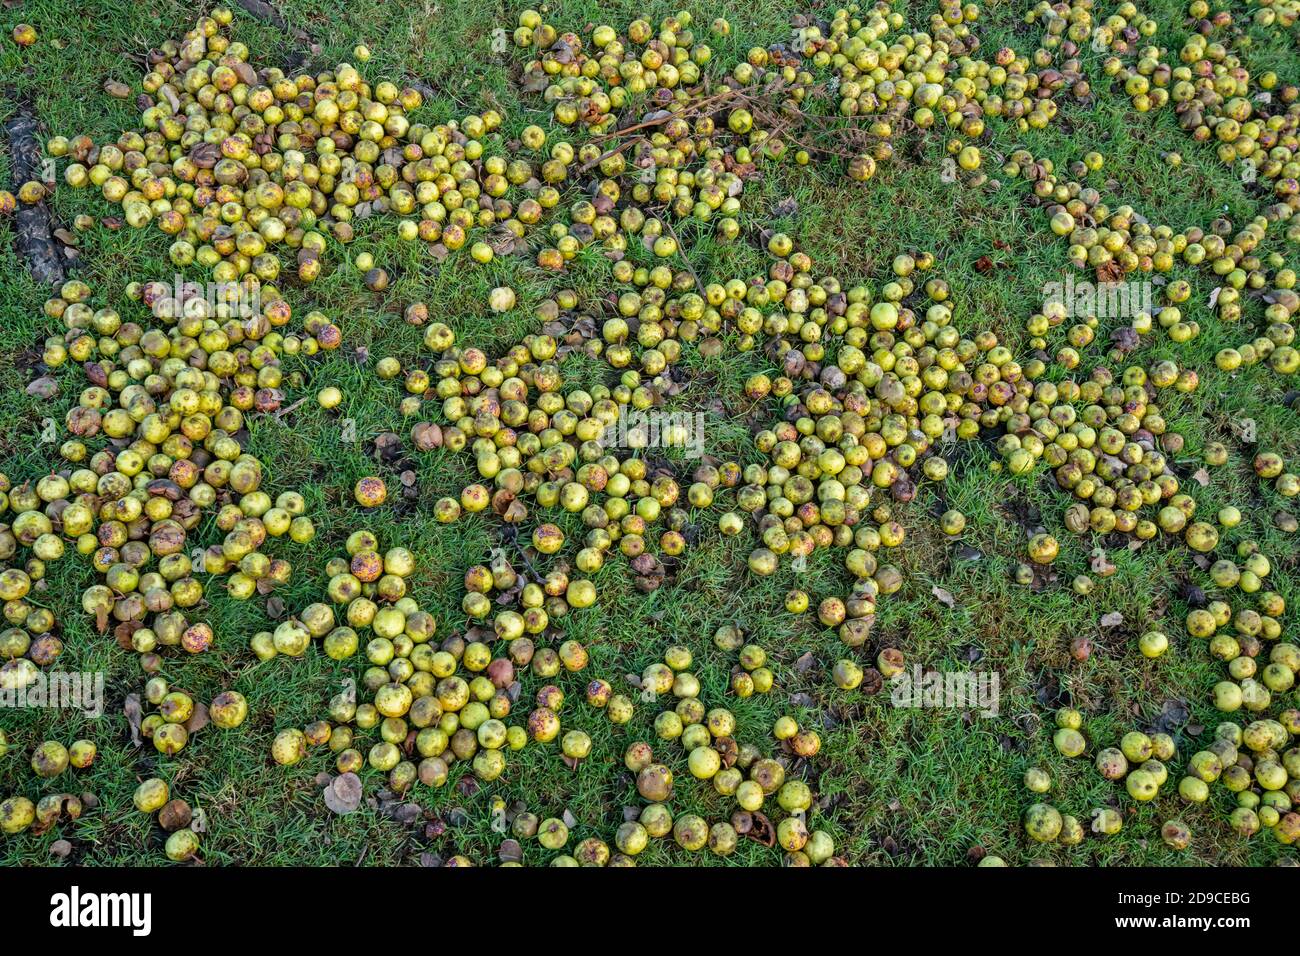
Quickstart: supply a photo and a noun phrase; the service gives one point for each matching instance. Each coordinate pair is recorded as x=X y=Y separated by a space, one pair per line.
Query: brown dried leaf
x=535 y=82
x=789 y=206
x=406 y=813
x=199 y=719
x=388 y=446
x=1110 y=273
x=343 y=795
x=872 y=681
x=134 y=715
x=123 y=632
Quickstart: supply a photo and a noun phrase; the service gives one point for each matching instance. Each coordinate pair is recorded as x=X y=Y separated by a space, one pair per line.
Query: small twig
x=699 y=286
x=510 y=535
x=691 y=109
x=608 y=153
x=288 y=408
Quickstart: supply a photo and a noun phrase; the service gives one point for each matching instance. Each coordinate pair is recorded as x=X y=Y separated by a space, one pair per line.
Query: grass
x=893 y=785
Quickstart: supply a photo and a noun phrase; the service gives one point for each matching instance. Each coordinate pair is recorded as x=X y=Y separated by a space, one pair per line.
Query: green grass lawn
x=892 y=785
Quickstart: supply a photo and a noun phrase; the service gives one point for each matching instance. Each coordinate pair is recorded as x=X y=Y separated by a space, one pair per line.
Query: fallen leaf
x=1110 y=273
x=872 y=682
x=199 y=719
x=1125 y=339
x=457 y=817
x=944 y=596
x=134 y=715
x=388 y=446
x=44 y=387
x=789 y=206
x=343 y=795
x=407 y=813
x=1173 y=715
